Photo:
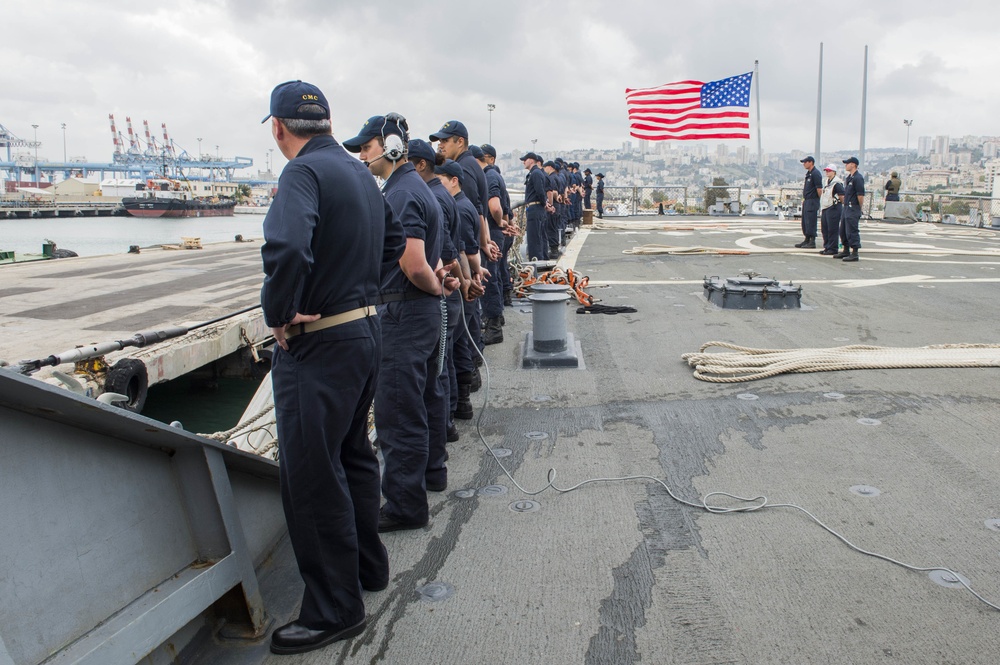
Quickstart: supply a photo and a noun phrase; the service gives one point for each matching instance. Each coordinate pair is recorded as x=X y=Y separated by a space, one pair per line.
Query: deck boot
x=842 y=253
x=810 y=243
x=853 y=256
x=453 y=434
x=508 y=298
x=492 y=332
x=463 y=411
x=473 y=380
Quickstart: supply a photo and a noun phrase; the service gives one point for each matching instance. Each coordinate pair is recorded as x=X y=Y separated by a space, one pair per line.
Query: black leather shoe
x=437 y=487
x=453 y=434
x=800 y=244
x=380 y=586
x=295 y=638
x=842 y=254
x=508 y=298
x=853 y=256
x=387 y=524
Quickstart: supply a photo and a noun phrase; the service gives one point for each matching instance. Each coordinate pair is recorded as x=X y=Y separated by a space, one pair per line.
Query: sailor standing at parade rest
x=854 y=199
x=812 y=189
x=588 y=186
x=492 y=301
x=510 y=229
x=320 y=307
x=600 y=196
x=535 y=207
x=408 y=389
x=422 y=156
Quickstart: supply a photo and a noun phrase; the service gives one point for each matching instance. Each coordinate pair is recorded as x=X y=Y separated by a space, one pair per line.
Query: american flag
x=691 y=110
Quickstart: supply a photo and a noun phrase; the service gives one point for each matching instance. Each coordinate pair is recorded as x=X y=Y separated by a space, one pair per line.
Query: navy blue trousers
x=850 y=223
x=600 y=205
x=454 y=326
x=536 y=233
x=505 y=283
x=407 y=400
x=493 y=299
x=323 y=387
x=831 y=227
x=810 y=208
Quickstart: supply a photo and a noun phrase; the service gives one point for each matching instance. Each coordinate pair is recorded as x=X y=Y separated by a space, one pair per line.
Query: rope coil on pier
x=748 y=364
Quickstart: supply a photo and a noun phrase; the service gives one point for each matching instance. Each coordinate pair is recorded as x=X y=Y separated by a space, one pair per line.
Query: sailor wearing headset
x=407 y=388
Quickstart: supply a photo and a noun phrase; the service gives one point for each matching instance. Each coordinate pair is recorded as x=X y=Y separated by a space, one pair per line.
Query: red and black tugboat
x=161 y=197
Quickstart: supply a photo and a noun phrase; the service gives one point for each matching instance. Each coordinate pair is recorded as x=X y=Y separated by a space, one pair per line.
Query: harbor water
x=94 y=236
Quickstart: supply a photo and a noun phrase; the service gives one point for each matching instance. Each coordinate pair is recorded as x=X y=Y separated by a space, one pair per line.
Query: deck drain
x=993 y=524
x=502 y=452
x=493 y=490
x=536 y=436
x=465 y=494
x=540 y=398
x=434 y=592
x=869 y=421
x=834 y=395
x=525 y=506
x=948 y=579
x=749 y=397
x=866 y=490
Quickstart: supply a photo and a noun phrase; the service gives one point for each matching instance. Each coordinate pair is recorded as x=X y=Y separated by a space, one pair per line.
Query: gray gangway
x=123 y=538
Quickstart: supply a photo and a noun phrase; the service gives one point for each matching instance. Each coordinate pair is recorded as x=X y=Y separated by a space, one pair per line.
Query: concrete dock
x=47 y=307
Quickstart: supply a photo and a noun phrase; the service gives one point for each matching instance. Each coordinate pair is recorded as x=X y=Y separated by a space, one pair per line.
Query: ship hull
x=146 y=207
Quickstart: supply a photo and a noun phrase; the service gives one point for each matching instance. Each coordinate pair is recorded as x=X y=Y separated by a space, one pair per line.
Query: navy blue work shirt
x=419 y=213
x=453 y=238
x=329 y=236
x=588 y=183
x=504 y=194
x=600 y=187
x=854 y=186
x=474 y=182
x=494 y=189
x=814 y=181
x=535 y=184
x=468 y=221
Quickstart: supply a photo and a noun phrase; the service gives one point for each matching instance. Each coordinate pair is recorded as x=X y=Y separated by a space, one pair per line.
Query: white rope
x=228 y=434
x=748 y=364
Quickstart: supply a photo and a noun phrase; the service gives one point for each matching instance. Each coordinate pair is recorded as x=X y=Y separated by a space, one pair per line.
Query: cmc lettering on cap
x=311 y=98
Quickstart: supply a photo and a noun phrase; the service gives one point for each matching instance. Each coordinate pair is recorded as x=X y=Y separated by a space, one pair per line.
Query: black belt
x=533 y=203
x=404 y=296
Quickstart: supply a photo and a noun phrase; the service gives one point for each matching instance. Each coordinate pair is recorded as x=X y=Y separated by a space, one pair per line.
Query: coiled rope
x=748 y=364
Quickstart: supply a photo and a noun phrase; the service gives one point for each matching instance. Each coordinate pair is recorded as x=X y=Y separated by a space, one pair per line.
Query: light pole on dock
x=908 y=123
x=35 y=127
x=64 y=143
x=491 y=108
x=199 y=150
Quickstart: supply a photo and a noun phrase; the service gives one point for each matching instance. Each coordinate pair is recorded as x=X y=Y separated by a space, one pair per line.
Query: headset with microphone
x=394 y=146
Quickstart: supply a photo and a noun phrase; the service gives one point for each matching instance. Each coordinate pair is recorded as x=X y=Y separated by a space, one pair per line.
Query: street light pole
x=533 y=143
x=491 y=108
x=199 y=150
x=35 y=127
x=907 y=123
x=64 y=143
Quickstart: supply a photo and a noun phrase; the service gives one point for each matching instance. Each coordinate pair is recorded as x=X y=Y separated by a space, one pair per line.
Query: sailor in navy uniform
x=510 y=230
x=588 y=187
x=408 y=389
x=600 y=196
x=854 y=199
x=812 y=189
x=320 y=307
x=535 y=207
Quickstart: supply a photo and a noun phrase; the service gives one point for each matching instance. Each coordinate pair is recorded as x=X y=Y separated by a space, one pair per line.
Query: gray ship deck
x=619 y=572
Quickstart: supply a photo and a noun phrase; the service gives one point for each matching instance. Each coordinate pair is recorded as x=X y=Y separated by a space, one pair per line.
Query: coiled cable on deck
x=749 y=364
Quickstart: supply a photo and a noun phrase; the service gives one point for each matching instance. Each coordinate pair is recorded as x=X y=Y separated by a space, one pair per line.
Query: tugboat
x=161 y=197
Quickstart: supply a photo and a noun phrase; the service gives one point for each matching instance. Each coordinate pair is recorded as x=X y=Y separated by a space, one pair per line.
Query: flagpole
x=864 y=108
x=819 y=104
x=760 y=151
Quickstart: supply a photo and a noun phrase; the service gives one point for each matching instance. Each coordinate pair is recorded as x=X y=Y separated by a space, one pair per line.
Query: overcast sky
x=556 y=71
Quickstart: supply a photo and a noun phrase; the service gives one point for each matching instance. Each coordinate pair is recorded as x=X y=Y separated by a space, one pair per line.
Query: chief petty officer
x=408 y=394
x=854 y=199
x=812 y=189
x=510 y=230
x=422 y=156
x=535 y=207
x=452 y=175
x=319 y=306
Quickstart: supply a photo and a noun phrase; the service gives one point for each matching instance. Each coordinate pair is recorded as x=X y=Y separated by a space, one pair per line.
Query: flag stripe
x=691 y=110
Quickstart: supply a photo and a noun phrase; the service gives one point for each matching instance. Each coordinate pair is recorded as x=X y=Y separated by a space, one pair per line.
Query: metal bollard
x=548 y=344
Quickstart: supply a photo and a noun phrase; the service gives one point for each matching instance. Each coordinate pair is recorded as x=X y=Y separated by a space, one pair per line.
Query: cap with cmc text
x=450 y=168
x=477 y=152
x=289 y=97
x=420 y=149
x=377 y=125
x=808 y=159
x=830 y=167
x=531 y=155
x=489 y=150
x=852 y=160
x=450 y=128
